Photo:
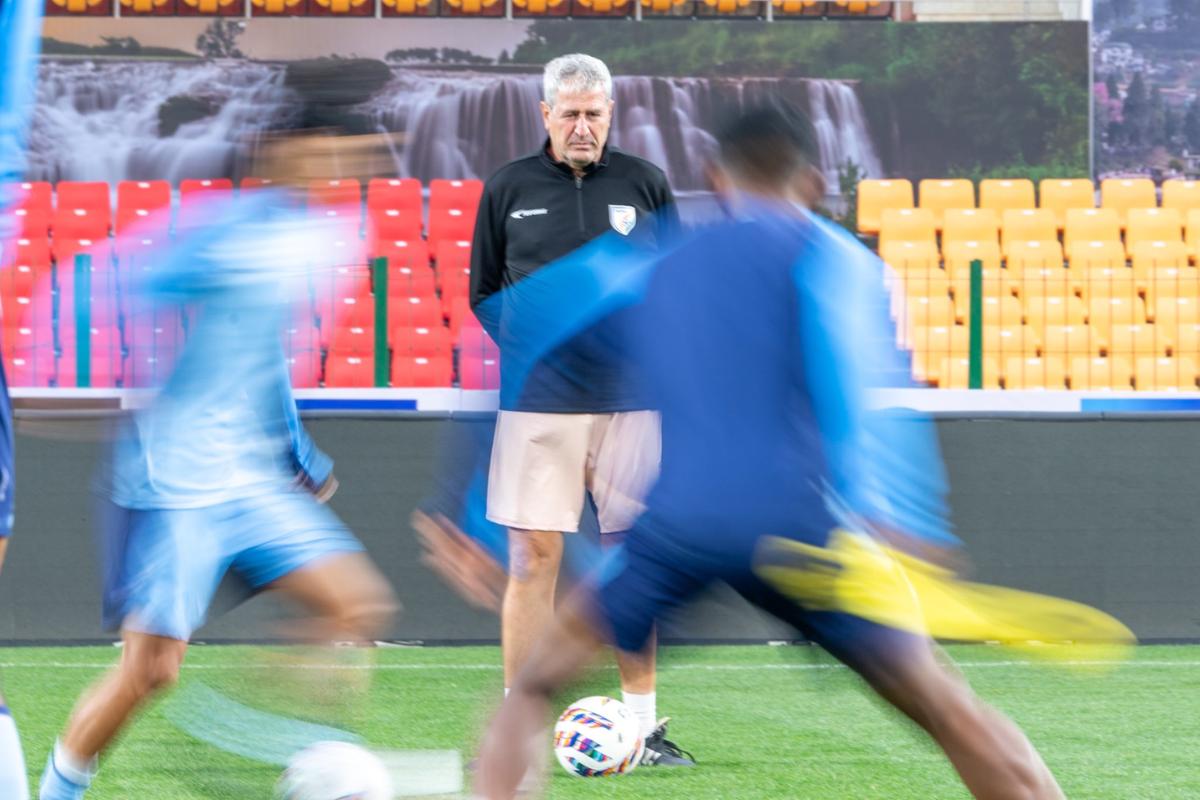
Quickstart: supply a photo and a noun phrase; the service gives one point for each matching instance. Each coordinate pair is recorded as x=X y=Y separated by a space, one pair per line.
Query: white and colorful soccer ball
x=334 y=771
x=597 y=737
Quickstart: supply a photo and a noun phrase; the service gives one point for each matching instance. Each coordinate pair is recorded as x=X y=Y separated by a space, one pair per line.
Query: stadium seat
x=903 y=256
x=458 y=313
x=1089 y=254
x=1123 y=194
x=414 y=312
x=403 y=194
x=406 y=281
x=153 y=331
x=1180 y=195
x=927 y=312
x=348 y=311
x=1027 y=225
x=454 y=267
x=1182 y=340
x=33 y=196
x=1172 y=312
x=427 y=342
x=1071 y=340
x=65 y=249
x=874 y=196
x=1001 y=310
x=959 y=255
x=924 y=282
x=1098 y=282
x=907 y=225
x=450 y=224
x=479 y=372
x=252 y=183
x=1136 y=340
x=1091 y=225
x=1192 y=236
x=954 y=373
x=1024 y=256
x=1152 y=225
x=421 y=371
x=856 y=6
x=473 y=340
x=1003 y=341
x=349 y=370
x=81 y=223
x=356 y=7
x=27 y=223
x=966 y=224
x=931 y=345
x=190 y=186
x=305 y=368
x=1167 y=283
x=1059 y=196
x=597 y=6
x=281 y=6
x=1001 y=195
x=1100 y=373
x=1165 y=374
x=338 y=192
x=106 y=364
x=1043 y=282
x=462 y=194
x=452 y=253
x=1049 y=310
x=726 y=6
x=393 y=224
x=1105 y=311
x=1033 y=372
x=403 y=7
x=356 y=339
x=1150 y=256
x=400 y=252
x=938 y=196
x=83 y=194
x=143 y=194
x=33 y=370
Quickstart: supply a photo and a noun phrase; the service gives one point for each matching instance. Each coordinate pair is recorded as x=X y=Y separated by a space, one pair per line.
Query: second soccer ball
x=597 y=737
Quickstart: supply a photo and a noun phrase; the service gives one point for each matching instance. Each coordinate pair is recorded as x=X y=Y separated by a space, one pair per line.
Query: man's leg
x=528 y=607
x=13 y=781
x=348 y=599
x=149 y=664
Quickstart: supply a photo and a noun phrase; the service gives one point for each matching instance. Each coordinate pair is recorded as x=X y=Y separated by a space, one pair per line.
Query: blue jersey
x=20 y=32
x=224 y=426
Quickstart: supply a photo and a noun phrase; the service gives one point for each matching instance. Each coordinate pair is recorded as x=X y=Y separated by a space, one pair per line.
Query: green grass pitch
x=764 y=722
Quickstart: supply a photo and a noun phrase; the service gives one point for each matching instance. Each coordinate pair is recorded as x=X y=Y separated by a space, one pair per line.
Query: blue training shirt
x=224 y=426
x=20 y=37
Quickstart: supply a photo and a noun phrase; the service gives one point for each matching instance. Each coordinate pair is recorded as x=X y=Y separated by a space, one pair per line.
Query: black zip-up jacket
x=535 y=210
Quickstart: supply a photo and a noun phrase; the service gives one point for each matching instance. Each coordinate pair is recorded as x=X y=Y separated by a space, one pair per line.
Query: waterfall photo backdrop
x=171 y=98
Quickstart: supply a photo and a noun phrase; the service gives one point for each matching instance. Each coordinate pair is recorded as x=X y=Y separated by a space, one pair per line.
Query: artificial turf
x=763 y=722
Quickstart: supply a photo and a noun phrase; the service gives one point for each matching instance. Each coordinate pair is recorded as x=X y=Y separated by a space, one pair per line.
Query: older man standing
x=576 y=427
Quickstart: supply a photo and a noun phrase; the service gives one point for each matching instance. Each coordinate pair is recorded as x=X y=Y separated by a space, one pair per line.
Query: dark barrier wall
x=1105 y=512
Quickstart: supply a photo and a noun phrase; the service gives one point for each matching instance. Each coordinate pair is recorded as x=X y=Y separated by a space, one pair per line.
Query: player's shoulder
x=633 y=165
x=514 y=170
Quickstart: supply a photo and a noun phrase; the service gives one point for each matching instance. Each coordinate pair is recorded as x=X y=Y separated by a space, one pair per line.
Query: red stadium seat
x=26 y=223
x=106 y=362
x=153 y=331
x=196 y=196
x=400 y=252
x=93 y=195
x=450 y=224
x=349 y=370
x=143 y=194
x=305 y=368
x=406 y=281
x=458 y=313
x=250 y=184
x=34 y=370
x=414 y=312
x=479 y=372
x=357 y=339
x=200 y=185
x=65 y=249
x=34 y=196
x=348 y=312
x=71 y=222
x=473 y=340
x=421 y=371
x=339 y=192
x=427 y=342
x=394 y=224
x=462 y=194
x=403 y=194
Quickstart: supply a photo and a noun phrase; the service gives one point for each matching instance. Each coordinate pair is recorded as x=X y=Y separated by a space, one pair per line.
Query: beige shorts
x=543 y=464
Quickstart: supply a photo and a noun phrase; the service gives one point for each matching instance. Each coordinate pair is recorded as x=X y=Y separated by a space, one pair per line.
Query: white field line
x=661 y=667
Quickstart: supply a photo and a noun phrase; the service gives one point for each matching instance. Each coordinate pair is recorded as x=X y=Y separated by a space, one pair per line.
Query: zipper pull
x=578 y=182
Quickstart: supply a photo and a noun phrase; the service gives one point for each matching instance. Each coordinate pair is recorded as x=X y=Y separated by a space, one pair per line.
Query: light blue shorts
x=162 y=567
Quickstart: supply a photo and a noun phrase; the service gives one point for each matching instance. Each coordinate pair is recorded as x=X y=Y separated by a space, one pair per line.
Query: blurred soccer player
x=218 y=474
x=20 y=34
x=756 y=338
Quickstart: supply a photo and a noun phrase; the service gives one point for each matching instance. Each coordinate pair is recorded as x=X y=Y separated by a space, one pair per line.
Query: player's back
x=718 y=340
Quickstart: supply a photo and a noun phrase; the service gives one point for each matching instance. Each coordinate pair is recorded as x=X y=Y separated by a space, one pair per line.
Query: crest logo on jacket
x=622 y=218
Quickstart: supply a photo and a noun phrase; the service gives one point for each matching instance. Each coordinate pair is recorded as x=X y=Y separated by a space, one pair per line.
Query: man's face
x=578 y=126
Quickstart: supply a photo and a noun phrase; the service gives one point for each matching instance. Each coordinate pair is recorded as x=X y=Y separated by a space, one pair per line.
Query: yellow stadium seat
x=795 y=6
x=76 y=6
x=1009 y=340
x=1001 y=195
x=931 y=346
x=143 y=6
x=1032 y=372
x=1184 y=340
x=283 y=6
x=924 y=282
x=995 y=284
x=1103 y=282
x=1166 y=374
x=1002 y=310
x=537 y=6
x=476 y=6
x=1193 y=235
x=1152 y=225
x=858 y=6
x=1149 y=257
x=927 y=312
x=1091 y=225
x=1181 y=195
x=969 y=224
x=1024 y=256
x=903 y=256
x=939 y=196
x=339 y=6
x=1172 y=312
x=1168 y=282
x=1104 y=311
x=1046 y=282
x=1123 y=194
x=1087 y=254
x=876 y=195
x=1071 y=340
x=1041 y=312
x=1059 y=195
x=1115 y=372
x=1027 y=225
x=906 y=225
x=954 y=373
x=727 y=6
x=1136 y=340
x=959 y=255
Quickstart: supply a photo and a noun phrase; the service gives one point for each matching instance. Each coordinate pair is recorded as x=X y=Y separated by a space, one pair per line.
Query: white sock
x=506 y=692
x=13 y=782
x=66 y=776
x=644 y=706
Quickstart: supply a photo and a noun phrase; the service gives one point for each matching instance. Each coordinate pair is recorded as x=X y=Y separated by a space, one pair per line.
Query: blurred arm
x=487 y=263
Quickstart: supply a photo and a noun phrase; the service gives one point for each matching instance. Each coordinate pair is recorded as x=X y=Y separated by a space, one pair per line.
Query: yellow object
x=1060 y=195
x=146 y=5
x=77 y=6
x=940 y=195
x=858 y=575
x=204 y=6
x=340 y=6
x=277 y=6
x=1004 y=194
x=876 y=195
x=1123 y=194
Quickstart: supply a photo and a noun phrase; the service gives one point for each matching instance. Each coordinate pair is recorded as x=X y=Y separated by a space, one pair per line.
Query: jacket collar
x=565 y=169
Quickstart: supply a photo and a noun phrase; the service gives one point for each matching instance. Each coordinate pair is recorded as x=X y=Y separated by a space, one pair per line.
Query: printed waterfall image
x=120 y=108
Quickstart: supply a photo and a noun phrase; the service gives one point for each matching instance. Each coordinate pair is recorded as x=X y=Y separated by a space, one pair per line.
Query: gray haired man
x=576 y=427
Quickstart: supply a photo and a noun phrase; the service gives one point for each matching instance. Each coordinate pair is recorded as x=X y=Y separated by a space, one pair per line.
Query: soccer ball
x=596 y=737
x=334 y=771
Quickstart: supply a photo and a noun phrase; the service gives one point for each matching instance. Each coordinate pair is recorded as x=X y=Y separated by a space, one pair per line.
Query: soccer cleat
x=662 y=752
